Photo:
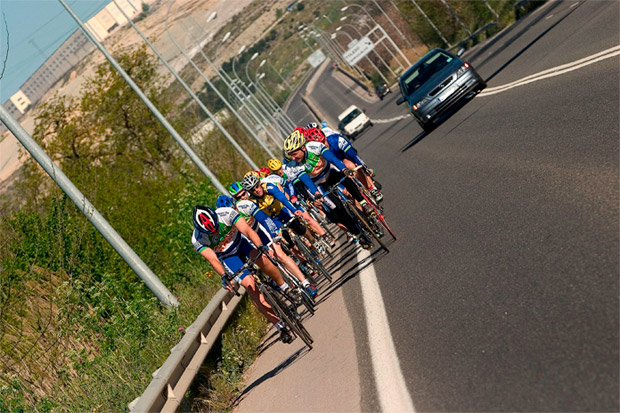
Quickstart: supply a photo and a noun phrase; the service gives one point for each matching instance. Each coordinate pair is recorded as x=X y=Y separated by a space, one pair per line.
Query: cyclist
x=324 y=170
x=345 y=151
x=273 y=201
x=223 y=238
x=266 y=229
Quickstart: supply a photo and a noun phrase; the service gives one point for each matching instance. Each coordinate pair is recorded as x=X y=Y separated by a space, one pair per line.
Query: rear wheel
x=363 y=223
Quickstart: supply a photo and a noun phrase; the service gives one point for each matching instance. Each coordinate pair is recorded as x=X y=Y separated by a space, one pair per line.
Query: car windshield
x=425 y=70
x=352 y=115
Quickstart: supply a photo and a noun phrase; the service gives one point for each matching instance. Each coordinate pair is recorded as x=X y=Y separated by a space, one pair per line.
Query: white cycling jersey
x=292 y=170
x=247 y=209
x=273 y=179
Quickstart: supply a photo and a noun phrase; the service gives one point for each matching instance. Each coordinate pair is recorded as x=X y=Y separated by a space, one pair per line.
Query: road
x=502 y=289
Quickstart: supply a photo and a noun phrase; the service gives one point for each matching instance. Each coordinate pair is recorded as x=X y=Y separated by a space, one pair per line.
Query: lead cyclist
x=344 y=150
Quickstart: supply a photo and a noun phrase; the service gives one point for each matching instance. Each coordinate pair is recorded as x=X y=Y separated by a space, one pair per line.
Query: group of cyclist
x=253 y=221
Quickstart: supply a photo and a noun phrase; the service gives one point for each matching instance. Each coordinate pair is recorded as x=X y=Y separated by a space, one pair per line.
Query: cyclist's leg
x=316 y=227
x=289 y=263
x=359 y=174
x=272 y=272
x=233 y=264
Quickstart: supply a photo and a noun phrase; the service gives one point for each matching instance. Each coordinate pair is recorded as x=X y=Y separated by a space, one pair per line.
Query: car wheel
x=427 y=127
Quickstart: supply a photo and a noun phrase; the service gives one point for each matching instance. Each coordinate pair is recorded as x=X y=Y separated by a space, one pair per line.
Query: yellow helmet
x=274 y=164
x=255 y=173
x=294 y=141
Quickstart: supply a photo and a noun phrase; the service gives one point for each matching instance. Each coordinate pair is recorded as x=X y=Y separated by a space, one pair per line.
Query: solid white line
x=554 y=71
x=391 y=387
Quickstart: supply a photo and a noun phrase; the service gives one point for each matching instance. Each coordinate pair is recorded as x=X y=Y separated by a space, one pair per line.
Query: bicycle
x=377 y=209
x=273 y=298
x=301 y=296
x=309 y=257
x=361 y=219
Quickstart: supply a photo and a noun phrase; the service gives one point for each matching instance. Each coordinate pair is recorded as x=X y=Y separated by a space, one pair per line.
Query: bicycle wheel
x=363 y=223
x=296 y=286
x=378 y=211
x=285 y=315
x=314 y=263
x=302 y=266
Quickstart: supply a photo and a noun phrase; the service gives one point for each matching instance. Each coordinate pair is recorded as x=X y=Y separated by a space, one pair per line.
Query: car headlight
x=420 y=103
x=462 y=69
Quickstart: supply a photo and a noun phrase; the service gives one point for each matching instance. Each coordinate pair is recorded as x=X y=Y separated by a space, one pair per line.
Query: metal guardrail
x=171 y=381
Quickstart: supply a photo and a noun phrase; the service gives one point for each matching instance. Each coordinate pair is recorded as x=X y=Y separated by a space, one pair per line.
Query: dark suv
x=436 y=84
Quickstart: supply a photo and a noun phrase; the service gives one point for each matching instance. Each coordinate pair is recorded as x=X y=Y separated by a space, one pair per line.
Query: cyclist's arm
x=245 y=229
x=351 y=154
x=333 y=159
x=305 y=179
x=279 y=195
x=210 y=255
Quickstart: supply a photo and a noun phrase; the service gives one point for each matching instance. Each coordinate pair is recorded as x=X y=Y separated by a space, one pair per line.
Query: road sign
x=357 y=51
x=316 y=58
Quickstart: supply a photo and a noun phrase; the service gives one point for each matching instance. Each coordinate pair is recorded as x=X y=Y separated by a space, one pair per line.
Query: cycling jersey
x=260 y=221
x=319 y=161
x=341 y=146
x=227 y=240
x=272 y=201
x=273 y=179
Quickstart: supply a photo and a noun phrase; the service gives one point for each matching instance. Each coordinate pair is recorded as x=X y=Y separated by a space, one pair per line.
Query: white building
x=110 y=17
x=21 y=101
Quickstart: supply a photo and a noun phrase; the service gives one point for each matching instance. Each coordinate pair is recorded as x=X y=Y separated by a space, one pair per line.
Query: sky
x=36 y=28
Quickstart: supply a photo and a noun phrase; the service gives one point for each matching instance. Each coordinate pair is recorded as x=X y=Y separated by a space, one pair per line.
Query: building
x=74 y=49
x=108 y=19
x=20 y=101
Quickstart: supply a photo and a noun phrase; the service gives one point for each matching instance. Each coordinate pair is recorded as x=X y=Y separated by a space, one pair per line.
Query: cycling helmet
x=300 y=129
x=225 y=201
x=294 y=141
x=266 y=171
x=324 y=124
x=274 y=164
x=312 y=125
x=255 y=173
x=205 y=220
x=250 y=182
x=235 y=188
x=315 y=135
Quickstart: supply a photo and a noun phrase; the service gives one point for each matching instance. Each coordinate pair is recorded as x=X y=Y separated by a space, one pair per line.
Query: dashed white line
x=391 y=388
x=397 y=118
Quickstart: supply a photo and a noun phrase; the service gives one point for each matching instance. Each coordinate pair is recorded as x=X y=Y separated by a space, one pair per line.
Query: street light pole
x=287 y=122
x=262 y=111
x=431 y=23
x=177 y=137
x=408 y=63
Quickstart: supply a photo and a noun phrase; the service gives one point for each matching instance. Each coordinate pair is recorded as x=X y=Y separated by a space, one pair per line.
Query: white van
x=352 y=122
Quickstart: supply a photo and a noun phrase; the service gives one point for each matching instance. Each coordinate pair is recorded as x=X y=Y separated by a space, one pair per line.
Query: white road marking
x=391 y=387
x=548 y=17
x=554 y=71
x=396 y=119
x=573 y=5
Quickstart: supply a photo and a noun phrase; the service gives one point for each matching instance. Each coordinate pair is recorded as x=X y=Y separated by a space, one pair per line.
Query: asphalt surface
x=502 y=289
